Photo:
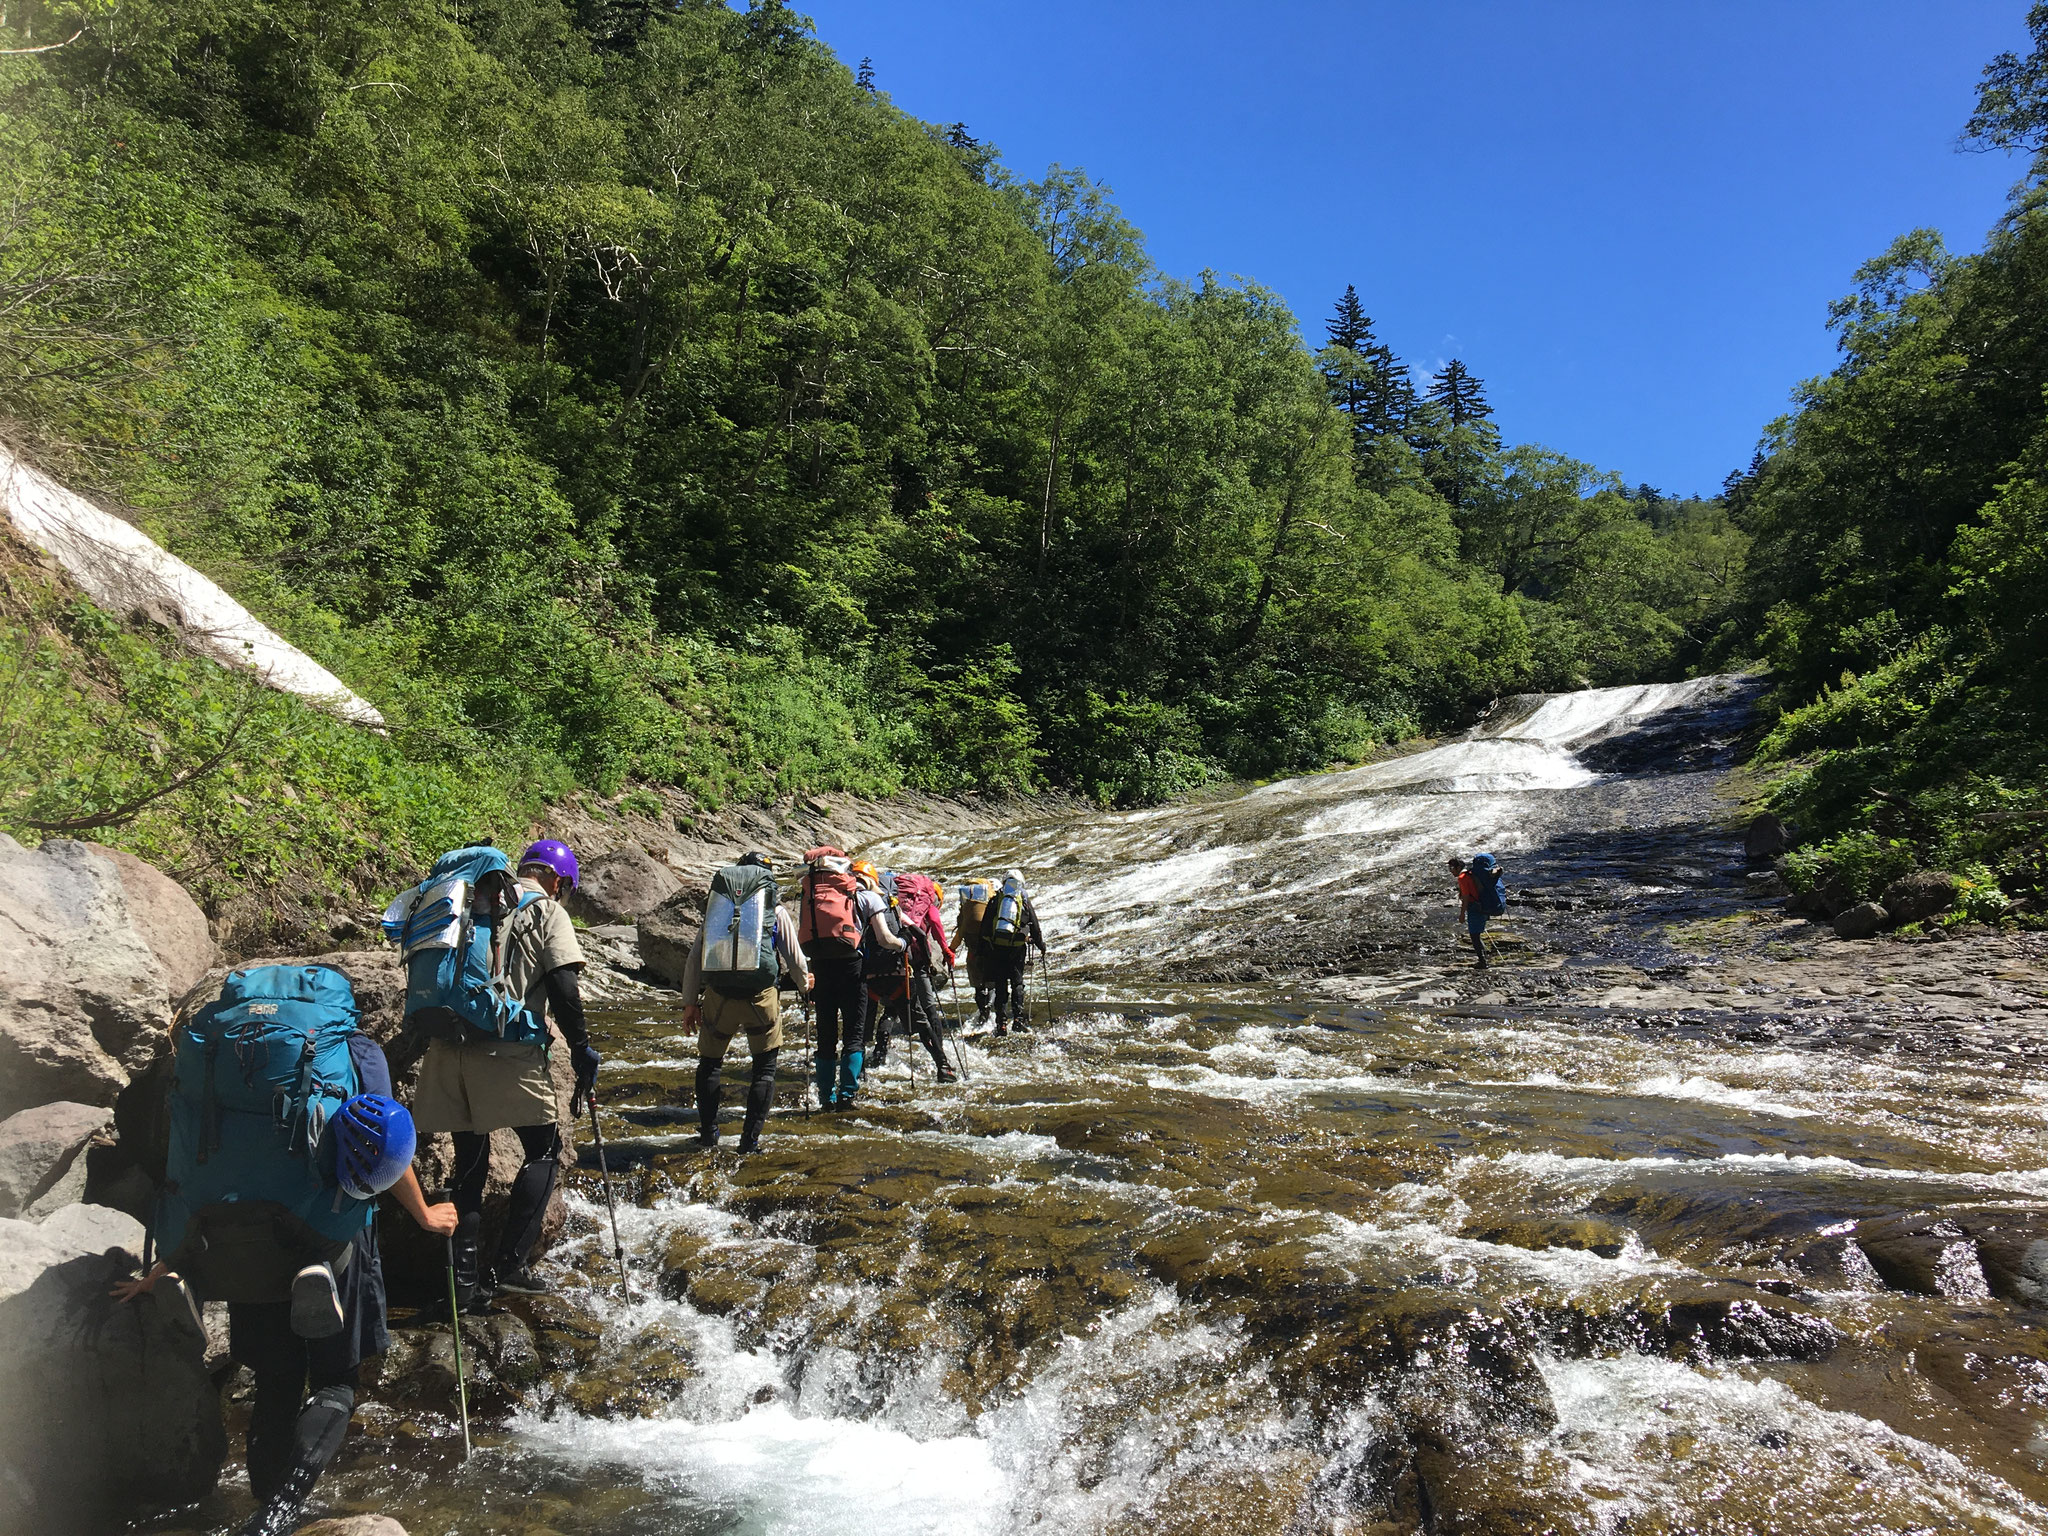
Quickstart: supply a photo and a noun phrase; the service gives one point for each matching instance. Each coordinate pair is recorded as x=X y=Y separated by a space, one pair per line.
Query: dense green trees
x=1896 y=587
x=627 y=390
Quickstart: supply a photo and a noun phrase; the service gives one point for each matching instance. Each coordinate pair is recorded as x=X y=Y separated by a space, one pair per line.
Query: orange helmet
x=866 y=871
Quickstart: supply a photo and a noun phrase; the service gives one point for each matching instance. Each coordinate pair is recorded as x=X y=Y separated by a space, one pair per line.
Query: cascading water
x=1286 y=1225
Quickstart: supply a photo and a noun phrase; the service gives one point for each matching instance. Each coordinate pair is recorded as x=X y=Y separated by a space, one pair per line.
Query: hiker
x=1009 y=929
x=920 y=903
x=828 y=927
x=747 y=941
x=1481 y=895
x=488 y=955
x=272 y=1175
x=974 y=899
x=882 y=952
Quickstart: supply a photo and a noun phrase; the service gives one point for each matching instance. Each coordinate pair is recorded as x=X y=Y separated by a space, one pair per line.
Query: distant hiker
x=283 y=1132
x=1009 y=930
x=974 y=899
x=884 y=955
x=919 y=902
x=747 y=942
x=486 y=954
x=1481 y=895
x=828 y=927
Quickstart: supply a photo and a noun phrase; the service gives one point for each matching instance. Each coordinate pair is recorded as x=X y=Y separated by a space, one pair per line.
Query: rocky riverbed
x=1684 y=1216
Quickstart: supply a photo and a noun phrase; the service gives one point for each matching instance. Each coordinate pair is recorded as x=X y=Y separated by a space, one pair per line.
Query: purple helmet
x=553 y=854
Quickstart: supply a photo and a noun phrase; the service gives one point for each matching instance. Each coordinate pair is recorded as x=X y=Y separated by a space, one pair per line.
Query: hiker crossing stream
x=1284 y=1219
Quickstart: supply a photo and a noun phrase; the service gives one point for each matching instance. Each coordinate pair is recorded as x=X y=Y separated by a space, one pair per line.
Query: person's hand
x=584 y=1062
x=439 y=1220
x=139 y=1285
x=692 y=1017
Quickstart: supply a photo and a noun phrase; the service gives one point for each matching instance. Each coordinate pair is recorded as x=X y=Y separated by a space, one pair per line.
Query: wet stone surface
x=1683 y=1216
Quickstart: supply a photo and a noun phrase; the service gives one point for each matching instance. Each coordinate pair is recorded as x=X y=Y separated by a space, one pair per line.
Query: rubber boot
x=526 y=1208
x=709 y=1087
x=470 y=1290
x=323 y=1424
x=760 y=1095
x=849 y=1078
x=824 y=1072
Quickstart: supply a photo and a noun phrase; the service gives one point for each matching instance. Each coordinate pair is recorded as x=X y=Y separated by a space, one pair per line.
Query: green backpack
x=739 y=958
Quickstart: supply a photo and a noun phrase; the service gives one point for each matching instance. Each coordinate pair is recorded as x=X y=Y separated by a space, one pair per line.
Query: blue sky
x=1627 y=218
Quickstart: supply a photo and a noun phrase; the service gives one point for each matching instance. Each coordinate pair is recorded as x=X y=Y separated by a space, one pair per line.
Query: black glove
x=584 y=1062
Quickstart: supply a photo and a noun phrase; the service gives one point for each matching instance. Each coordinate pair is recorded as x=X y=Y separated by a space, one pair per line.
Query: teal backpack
x=450 y=932
x=1493 y=890
x=739 y=958
x=249 y=1193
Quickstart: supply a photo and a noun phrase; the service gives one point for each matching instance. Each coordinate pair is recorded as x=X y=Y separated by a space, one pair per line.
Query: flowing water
x=1285 y=1222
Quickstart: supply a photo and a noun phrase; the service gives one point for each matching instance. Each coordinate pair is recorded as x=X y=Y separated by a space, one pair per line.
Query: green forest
x=619 y=395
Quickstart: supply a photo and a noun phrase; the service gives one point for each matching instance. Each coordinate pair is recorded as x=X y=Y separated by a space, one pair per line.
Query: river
x=1287 y=1220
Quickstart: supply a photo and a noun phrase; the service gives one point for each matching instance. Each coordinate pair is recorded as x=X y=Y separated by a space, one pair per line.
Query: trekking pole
x=604 y=1174
x=959 y=1048
x=455 y=1326
x=909 y=1029
x=811 y=1063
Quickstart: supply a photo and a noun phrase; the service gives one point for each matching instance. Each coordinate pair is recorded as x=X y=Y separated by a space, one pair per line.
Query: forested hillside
x=1900 y=575
x=618 y=393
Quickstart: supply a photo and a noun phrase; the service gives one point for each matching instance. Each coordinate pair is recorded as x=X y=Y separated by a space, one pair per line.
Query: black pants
x=1006 y=975
x=842 y=1004
x=540 y=1149
x=309 y=1379
x=926 y=1021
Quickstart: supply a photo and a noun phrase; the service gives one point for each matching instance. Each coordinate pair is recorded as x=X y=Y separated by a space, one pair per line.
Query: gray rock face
x=1765 y=838
x=169 y=921
x=84 y=1002
x=106 y=1410
x=1861 y=921
x=354 y=1525
x=667 y=933
x=40 y=1149
x=1916 y=897
x=619 y=886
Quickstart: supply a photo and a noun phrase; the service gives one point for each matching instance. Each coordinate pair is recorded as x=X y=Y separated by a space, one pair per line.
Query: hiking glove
x=584 y=1062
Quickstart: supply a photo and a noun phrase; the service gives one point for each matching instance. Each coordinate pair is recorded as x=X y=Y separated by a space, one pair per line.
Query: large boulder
x=1916 y=897
x=1862 y=921
x=169 y=921
x=619 y=886
x=84 y=1002
x=109 y=1411
x=1765 y=838
x=41 y=1161
x=667 y=933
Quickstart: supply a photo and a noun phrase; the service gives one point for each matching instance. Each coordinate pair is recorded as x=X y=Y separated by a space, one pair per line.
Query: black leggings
x=1006 y=968
x=842 y=1011
x=309 y=1380
x=540 y=1149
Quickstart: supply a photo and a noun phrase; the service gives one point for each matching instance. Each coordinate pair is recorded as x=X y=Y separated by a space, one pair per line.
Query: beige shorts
x=483 y=1085
x=758 y=1017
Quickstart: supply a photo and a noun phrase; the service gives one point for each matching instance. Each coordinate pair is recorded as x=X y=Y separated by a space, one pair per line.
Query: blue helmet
x=373 y=1144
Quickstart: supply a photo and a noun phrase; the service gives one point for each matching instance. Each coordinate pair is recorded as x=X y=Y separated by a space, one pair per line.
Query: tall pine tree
x=1347 y=367
x=1461 y=396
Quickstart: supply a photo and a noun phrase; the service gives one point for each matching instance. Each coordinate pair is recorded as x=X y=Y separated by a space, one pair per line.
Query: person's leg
x=1009 y=967
x=714 y=1034
x=829 y=1000
x=931 y=1024
x=472 y=1172
x=1475 y=924
x=526 y=1207
x=760 y=1098
x=260 y=1337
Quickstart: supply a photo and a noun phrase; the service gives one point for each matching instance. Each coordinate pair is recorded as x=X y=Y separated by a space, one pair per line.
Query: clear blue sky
x=1627 y=216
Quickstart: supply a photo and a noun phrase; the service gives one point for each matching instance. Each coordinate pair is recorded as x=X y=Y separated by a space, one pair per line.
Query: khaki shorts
x=483 y=1085
x=758 y=1017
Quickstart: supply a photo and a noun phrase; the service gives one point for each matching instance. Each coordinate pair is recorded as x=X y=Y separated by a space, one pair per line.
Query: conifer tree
x=1347 y=367
x=1350 y=326
x=865 y=78
x=1461 y=396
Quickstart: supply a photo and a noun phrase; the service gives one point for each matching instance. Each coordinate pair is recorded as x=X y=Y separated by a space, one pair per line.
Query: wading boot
x=760 y=1094
x=709 y=1089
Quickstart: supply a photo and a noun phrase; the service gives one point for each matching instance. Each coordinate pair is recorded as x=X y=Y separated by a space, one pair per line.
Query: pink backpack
x=917 y=899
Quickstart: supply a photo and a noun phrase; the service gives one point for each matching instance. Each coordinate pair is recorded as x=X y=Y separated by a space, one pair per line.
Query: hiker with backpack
x=1009 y=928
x=828 y=928
x=974 y=899
x=283 y=1132
x=747 y=942
x=1482 y=894
x=882 y=952
x=490 y=957
x=919 y=901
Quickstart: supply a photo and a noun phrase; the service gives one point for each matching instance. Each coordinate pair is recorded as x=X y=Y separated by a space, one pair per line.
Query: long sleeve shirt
x=787 y=950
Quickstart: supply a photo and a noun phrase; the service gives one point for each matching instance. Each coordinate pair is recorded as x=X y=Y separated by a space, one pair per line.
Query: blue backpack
x=249 y=1191
x=450 y=930
x=1493 y=891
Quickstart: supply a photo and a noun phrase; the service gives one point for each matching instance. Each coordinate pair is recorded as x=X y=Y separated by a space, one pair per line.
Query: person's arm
x=693 y=982
x=878 y=925
x=791 y=953
x=1031 y=923
x=438 y=1220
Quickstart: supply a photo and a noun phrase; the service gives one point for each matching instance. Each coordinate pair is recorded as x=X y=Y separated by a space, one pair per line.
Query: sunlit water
x=1222 y=1247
